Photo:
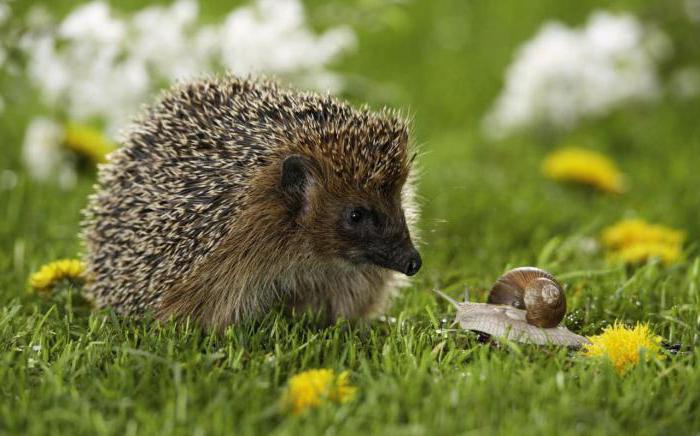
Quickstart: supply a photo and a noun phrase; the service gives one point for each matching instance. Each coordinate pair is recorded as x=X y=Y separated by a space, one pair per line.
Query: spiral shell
x=534 y=290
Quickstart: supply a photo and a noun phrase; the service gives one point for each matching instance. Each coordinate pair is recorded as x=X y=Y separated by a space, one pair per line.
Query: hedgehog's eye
x=357 y=215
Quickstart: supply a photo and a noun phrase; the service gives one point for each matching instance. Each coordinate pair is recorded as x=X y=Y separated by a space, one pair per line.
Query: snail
x=534 y=290
x=526 y=304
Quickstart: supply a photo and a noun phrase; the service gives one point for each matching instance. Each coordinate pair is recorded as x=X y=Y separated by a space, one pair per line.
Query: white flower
x=685 y=82
x=81 y=68
x=98 y=65
x=174 y=50
x=5 y=12
x=3 y=57
x=93 y=22
x=692 y=9
x=43 y=155
x=271 y=36
x=564 y=74
x=8 y=180
x=41 y=148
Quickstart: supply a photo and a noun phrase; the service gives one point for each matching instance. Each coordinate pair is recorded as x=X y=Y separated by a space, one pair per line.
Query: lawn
x=486 y=207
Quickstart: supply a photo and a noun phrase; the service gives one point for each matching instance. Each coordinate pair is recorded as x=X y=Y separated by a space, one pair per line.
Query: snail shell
x=534 y=290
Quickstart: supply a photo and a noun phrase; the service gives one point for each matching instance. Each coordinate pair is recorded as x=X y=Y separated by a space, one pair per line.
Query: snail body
x=534 y=290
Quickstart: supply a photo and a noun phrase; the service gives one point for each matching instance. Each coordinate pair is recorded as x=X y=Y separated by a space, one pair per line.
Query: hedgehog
x=231 y=197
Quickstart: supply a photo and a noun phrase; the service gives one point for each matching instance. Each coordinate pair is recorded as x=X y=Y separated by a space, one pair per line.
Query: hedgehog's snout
x=402 y=257
x=408 y=260
x=414 y=263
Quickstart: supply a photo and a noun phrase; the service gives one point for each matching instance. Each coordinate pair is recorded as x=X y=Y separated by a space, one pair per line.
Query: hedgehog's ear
x=296 y=176
x=294 y=172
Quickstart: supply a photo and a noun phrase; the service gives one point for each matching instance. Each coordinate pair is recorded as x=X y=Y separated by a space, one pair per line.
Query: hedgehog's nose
x=414 y=264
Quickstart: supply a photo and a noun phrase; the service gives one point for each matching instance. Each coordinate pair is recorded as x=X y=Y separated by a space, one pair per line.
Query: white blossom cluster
x=4 y=17
x=564 y=74
x=42 y=154
x=692 y=9
x=97 y=64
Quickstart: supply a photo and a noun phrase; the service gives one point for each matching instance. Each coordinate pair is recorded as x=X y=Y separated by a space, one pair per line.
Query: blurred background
x=493 y=89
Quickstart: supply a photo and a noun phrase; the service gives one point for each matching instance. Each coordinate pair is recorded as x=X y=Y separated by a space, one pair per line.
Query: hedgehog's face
x=376 y=232
x=360 y=227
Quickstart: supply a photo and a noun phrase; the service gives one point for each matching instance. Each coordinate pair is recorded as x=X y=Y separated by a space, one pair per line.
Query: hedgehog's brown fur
x=188 y=218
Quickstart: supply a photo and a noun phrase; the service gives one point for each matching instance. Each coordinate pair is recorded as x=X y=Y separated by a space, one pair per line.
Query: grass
x=65 y=369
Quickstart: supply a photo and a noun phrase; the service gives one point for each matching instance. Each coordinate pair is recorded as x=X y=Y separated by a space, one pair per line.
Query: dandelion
x=635 y=241
x=624 y=346
x=51 y=273
x=634 y=230
x=311 y=388
x=640 y=253
x=584 y=166
x=87 y=141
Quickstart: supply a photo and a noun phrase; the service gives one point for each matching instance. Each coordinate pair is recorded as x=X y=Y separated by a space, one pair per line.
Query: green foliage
x=486 y=207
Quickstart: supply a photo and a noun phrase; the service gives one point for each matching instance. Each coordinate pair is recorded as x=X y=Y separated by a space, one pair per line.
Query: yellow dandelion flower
x=588 y=167
x=310 y=388
x=640 y=253
x=51 y=273
x=88 y=142
x=633 y=231
x=624 y=346
x=635 y=241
